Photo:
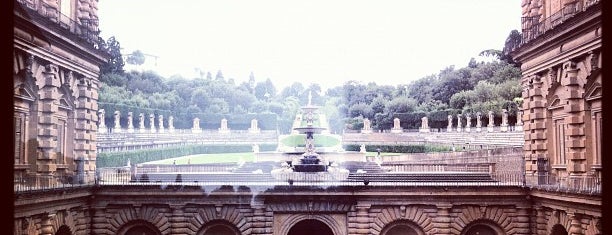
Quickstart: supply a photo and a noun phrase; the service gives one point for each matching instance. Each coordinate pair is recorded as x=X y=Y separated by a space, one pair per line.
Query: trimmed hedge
x=416 y=148
x=117 y=159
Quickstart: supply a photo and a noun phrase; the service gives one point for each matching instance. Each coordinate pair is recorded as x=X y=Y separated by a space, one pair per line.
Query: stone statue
x=366 y=126
x=468 y=122
x=223 y=128
x=254 y=128
x=141 y=125
x=458 y=122
x=160 y=122
x=152 y=122
x=101 y=117
x=196 y=126
x=491 y=122
x=362 y=148
x=450 y=123
x=130 y=124
x=102 y=125
x=171 y=124
x=397 y=128
x=424 y=125
x=478 y=121
x=117 y=128
x=519 y=121
x=504 y=124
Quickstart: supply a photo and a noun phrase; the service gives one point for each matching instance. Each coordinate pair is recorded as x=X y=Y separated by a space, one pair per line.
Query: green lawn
x=208 y=158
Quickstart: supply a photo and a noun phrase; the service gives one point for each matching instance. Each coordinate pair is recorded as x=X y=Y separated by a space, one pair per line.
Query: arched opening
x=63 y=230
x=219 y=228
x=310 y=227
x=139 y=227
x=402 y=228
x=481 y=227
x=558 y=230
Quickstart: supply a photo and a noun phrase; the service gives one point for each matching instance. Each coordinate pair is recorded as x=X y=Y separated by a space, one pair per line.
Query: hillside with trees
x=478 y=87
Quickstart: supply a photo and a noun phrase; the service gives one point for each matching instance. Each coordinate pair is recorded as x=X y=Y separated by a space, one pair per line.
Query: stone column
x=459 y=123
x=160 y=122
x=504 y=124
x=130 y=128
x=450 y=124
x=47 y=130
x=519 y=121
x=102 y=125
x=478 y=122
x=152 y=122
x=171 y=124
x=491 y=122
x=468 y=120
x=117 y=128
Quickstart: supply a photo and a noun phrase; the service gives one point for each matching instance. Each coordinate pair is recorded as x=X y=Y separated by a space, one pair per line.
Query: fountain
x=310 y=166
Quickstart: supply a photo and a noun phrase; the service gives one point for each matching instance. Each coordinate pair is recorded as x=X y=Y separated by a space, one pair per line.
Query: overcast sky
x=314 y=41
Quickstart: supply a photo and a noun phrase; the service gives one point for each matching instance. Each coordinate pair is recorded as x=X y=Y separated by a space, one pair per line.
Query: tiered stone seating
x=422 y=177
x=250 y=167
x=354 y=166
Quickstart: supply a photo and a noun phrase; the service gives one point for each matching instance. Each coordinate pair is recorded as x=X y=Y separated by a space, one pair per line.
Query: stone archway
x=482 y=227
x=310 y=227
x=139 y=227
x=332 y=221
x=63 y=230
x=402 y=228
x=558 y=230
x=219 y=228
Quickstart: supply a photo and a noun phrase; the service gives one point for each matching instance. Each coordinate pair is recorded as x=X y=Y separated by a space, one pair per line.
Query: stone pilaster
x=46 y=227
x=47 y=129
x=575 y=224
x=262 y=220
x=443 y=220
x=576 y=139
x=85 y=144
x=521 y=221
x=359 y=220
x=535 y=129
x=540 y=221
x=178 y=221
x=100 y=224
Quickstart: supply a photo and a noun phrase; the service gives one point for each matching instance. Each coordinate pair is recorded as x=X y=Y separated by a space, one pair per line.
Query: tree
x=136 y=58
x=115 y=62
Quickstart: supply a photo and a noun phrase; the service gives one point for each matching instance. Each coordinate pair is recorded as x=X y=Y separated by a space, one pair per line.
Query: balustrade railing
x=534 y=26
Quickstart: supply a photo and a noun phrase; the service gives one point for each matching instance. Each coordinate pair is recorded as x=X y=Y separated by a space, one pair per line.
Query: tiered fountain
x=311 y=166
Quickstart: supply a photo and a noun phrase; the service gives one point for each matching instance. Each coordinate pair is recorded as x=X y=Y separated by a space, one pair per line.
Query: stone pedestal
x=254 y=129
x=130 y=128
x=117 y=128
x=223 y=129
